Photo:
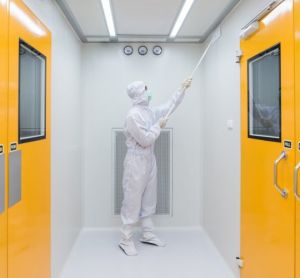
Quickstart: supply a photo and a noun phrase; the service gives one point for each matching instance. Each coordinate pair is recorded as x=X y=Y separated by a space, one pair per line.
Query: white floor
x=189 y=254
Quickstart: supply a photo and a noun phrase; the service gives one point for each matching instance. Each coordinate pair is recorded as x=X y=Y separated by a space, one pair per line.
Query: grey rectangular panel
x=164 y=171
x=2 y=183
x=14 y=178
x=120 y=152
x=162 y=152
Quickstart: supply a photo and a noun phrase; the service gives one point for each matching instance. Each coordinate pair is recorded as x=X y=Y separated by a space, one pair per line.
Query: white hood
x=137 y=92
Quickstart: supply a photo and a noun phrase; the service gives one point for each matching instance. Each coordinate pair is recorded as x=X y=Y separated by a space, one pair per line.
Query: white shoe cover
x=151 y=238
x=128 y=247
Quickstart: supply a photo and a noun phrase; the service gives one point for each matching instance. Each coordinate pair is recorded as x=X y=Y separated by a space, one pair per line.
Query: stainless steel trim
x=71 y=18
x=14 y=175
x=283 y=192
x=296 y=170
x=2 y=183
x=274 y=4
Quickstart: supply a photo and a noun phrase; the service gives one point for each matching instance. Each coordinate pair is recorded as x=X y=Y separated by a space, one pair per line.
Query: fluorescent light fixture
x=108 y=17
x=183 y=13
x=26 y=20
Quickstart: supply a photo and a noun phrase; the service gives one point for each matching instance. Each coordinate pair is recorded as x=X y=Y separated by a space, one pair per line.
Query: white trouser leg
x=149 y=198
x=135 y=180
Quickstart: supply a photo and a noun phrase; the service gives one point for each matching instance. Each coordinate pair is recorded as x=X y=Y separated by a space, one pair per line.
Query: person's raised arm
x=168 y=108
x=138 y=129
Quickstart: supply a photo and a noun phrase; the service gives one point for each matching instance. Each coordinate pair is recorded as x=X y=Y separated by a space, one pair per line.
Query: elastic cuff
x=127 y=221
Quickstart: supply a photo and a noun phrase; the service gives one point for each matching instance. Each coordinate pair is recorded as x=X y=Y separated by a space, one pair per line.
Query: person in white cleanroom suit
x=142 y=127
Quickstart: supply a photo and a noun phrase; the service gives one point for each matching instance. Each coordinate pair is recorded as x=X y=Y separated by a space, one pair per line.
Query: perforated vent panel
x=163 y=153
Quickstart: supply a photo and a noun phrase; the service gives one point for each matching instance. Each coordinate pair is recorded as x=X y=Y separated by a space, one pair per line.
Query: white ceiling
x=145 y=17
x=145 y=20
x=203 y=15
x=89 y=16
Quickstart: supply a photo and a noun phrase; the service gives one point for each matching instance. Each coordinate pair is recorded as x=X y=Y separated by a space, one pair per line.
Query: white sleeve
x=137 y=128
x=171 y=105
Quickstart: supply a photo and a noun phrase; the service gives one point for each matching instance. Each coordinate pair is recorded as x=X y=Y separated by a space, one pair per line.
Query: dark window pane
x=264 y=96
x=32 y=94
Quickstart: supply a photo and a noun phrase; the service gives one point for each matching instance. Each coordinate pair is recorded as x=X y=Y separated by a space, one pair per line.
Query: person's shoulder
x=132 y=113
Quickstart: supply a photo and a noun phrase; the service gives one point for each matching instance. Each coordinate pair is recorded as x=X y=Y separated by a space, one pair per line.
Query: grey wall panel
x=163 y=159
x=120 y=152
x=2 y=183
x=15 y=189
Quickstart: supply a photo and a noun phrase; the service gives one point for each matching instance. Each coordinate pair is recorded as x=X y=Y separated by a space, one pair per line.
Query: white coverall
x=141 y=129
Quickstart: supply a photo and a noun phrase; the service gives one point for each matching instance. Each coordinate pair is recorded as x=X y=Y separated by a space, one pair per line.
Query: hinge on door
x=238 y=56
x=240 y=262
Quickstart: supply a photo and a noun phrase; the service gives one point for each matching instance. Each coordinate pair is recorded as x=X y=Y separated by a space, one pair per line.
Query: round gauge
x=128 y=50
x=143 y=50
x=157 y=50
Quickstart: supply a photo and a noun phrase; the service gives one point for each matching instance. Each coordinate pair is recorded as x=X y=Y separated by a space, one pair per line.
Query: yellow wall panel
x=297 y=117
x=3 y=126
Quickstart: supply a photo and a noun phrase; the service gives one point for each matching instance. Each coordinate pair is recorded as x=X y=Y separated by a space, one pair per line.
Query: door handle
x=283 y=192
x=2 y=183
x=296 y=170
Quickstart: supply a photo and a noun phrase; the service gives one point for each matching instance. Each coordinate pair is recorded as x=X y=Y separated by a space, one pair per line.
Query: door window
x=264 y=96
x=32 y=94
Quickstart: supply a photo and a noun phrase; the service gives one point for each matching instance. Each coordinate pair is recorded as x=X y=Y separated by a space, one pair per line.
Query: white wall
x=106 y=74
x=221 y=145
x=66 y=131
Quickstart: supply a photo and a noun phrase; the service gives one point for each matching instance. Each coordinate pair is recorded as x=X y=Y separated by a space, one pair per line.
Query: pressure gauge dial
x=143 y=50
x=157 y=50
x=128 y=50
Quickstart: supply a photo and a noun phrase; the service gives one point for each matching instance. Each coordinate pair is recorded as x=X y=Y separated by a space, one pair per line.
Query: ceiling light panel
x=89 y=16
x=181 y=17
x=106 y=5
x=145 y=17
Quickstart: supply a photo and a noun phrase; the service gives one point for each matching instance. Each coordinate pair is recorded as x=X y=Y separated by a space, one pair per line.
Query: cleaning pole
x=216 y=35
x=214 y=38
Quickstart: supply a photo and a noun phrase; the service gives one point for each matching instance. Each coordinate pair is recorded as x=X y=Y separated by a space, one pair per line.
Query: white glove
x=163 y=122
x=186 y=84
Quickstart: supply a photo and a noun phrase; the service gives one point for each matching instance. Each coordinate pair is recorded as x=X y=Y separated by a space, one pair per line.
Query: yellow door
x=297 y=117
x=29 y=145
x=3 y=135
x=267 y=103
